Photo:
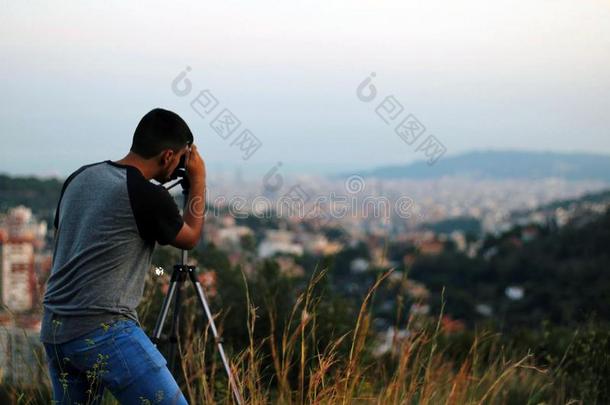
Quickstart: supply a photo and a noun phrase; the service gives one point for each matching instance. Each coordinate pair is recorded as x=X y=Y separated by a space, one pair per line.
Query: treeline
x=40 y=195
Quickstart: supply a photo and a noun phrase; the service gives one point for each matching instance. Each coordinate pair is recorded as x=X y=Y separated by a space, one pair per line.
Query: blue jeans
x=119 y=357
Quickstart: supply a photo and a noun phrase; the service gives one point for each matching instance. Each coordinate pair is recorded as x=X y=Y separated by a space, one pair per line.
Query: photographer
x=108 y=219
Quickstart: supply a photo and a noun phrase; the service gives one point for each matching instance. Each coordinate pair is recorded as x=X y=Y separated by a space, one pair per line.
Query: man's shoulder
x=138 y=185
x=69 y=180
x=146 y=195
x=80 y=170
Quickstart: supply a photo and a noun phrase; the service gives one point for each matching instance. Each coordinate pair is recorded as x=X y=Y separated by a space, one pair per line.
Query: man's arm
x=193 y=215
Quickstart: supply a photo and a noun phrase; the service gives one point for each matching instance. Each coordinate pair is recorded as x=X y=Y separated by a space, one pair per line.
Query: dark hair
x=158 y=130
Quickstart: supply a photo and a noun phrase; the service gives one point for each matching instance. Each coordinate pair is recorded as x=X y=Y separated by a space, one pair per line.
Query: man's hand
x=194 y=212
x=195 y=166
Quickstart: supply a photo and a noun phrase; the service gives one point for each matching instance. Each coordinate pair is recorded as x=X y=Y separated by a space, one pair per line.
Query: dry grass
x=287 y=367
x=292 y=371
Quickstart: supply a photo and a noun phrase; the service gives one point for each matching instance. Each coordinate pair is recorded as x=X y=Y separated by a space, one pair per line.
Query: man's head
x=162 y=137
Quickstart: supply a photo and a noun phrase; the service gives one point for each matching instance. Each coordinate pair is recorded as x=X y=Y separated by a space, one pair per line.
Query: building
x=22 y=260
x=20 y=256
x=431 y=248
x=279 y=241
x=18 y=280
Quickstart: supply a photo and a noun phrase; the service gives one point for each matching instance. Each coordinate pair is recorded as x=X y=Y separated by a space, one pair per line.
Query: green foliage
x=465 y=224
x=580 y=359
x=565 y=275
x=41 y=195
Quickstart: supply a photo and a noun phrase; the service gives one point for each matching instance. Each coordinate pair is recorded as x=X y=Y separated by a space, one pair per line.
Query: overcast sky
x=78 y=76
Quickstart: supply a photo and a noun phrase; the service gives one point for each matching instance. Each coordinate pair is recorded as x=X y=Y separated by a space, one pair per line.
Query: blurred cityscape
x=454 y=214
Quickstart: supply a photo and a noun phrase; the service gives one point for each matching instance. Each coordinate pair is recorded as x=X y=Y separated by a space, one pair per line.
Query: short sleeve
x=166 y=218
x=156 y=213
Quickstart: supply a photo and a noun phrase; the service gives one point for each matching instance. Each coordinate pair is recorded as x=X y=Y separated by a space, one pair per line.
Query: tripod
x=179 y=275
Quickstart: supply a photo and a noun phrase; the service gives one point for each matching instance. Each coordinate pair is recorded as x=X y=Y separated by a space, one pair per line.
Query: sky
x=76 y=77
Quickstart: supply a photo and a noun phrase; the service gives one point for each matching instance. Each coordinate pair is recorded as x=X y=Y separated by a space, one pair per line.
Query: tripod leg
x=173 y=297
x=217 y=338
x=164 y=310
x=173 y=336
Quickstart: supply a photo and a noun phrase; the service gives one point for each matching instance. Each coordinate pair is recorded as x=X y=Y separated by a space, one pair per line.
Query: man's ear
x=165 y=157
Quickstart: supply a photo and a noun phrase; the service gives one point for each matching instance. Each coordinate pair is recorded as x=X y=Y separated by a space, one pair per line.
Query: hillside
x=504 y=165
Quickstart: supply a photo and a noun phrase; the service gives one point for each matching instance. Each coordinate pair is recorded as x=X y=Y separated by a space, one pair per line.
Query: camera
x=180 y=171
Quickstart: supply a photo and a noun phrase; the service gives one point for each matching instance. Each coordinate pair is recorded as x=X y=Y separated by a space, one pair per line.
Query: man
x=108 y=219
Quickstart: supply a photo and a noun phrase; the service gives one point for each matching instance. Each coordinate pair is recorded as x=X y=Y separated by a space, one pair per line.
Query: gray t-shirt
x=108 y=219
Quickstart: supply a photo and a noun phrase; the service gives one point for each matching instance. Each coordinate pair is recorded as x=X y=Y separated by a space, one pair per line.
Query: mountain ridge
x=503 y=164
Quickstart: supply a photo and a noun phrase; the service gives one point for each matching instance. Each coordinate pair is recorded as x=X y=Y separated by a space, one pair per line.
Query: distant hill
x=505 y=165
